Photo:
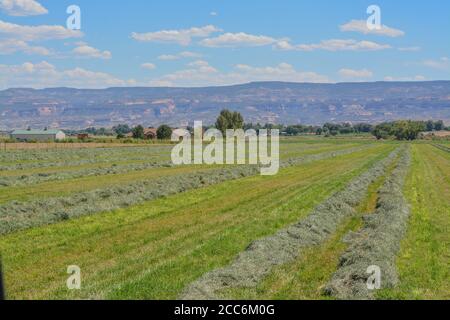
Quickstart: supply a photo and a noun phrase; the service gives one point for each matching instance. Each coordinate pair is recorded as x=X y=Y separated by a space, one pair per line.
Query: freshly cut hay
x=440 y=146
x=26 y=180
x=256 y=262
x=377 y=243
x=16 y=216
x=30 y=159
x=30 y=179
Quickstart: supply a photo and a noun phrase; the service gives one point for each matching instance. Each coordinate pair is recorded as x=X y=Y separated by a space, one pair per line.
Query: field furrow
x=126 y=162
x=158 y=183
x=307 y=275
x=377 y=244
x=424 y=258
x=255 y=263
x=155 y=249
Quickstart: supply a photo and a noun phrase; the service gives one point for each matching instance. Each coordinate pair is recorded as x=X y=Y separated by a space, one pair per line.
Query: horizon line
x=228 y=85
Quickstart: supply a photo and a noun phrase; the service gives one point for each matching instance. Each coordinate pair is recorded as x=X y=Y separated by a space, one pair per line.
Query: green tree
x=138 y=132
x=237 y=120
x=430 y=125
x=439 y=125
x=401 y=130
x=229 y=120
x=121 y=129
x=164 y=132
x=382 y=131
x=407 y=130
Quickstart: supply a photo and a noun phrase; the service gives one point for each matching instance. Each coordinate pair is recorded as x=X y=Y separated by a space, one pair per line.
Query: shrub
x=138 y=132
x=164 y=132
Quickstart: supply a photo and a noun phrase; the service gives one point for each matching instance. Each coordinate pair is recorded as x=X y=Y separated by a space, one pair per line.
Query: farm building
x=38 y=135
x=82 y=136
x=150 y=133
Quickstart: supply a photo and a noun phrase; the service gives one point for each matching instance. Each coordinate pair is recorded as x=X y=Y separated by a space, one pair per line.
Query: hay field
x=142 y=228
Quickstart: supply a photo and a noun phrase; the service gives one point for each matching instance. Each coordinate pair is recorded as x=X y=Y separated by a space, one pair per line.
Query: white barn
x=38 y=135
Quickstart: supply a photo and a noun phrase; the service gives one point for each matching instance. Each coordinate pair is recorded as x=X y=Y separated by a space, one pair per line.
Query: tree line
x=400 y=130
x=406 y=129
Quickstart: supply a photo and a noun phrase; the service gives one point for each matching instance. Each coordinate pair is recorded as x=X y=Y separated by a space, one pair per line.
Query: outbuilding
x=38 y=135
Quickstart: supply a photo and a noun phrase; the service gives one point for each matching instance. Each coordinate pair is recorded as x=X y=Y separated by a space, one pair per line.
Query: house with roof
x=38 y=135
x=150 y=133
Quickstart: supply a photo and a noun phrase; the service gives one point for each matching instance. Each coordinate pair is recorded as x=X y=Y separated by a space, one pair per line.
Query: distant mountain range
x=263 y=102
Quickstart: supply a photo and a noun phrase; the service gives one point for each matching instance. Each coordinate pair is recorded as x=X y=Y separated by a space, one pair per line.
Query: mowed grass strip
x=305 y=278
x=424 y=259
x=286 y=151
x=68 y=186
x=67 y=168
x=155 y=249
x=291 y=150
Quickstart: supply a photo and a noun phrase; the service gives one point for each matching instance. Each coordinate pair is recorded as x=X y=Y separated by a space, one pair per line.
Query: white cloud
x=410 y=49
x=415 y=78
x=237 y=40
x=44 y=74
x=284 y=45
x=213 y=13
x=168 y=57
x=184 y=54
x=441 y=64
x=36 y=33
x=360 y=26
x=182 y=37
x=18 y=38
x=83 y=50
x=148 y=66
x=10 y=46
x=197 y=73
x=355 y=74
x=202 y=66
x=334 y=45
x=22 y=8
x=200 y=73
x=190 y=54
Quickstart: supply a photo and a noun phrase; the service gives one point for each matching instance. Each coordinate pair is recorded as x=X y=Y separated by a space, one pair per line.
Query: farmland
x=142 y=228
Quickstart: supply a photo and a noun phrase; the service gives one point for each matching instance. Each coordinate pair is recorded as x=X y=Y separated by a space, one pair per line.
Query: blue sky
x=205 y=42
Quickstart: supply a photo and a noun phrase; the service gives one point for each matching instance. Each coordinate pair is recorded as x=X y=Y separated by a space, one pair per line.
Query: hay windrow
x=377 y=243
x=32 y=159
x=111 y=160
x=26 y=180
x=17 y=215
x=252 y=265
x=441 y=147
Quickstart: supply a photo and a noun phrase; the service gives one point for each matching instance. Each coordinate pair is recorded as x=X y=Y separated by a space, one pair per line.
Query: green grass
x=424 y=260
x=155 y=249
x=68 y=186
x=304 y=278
